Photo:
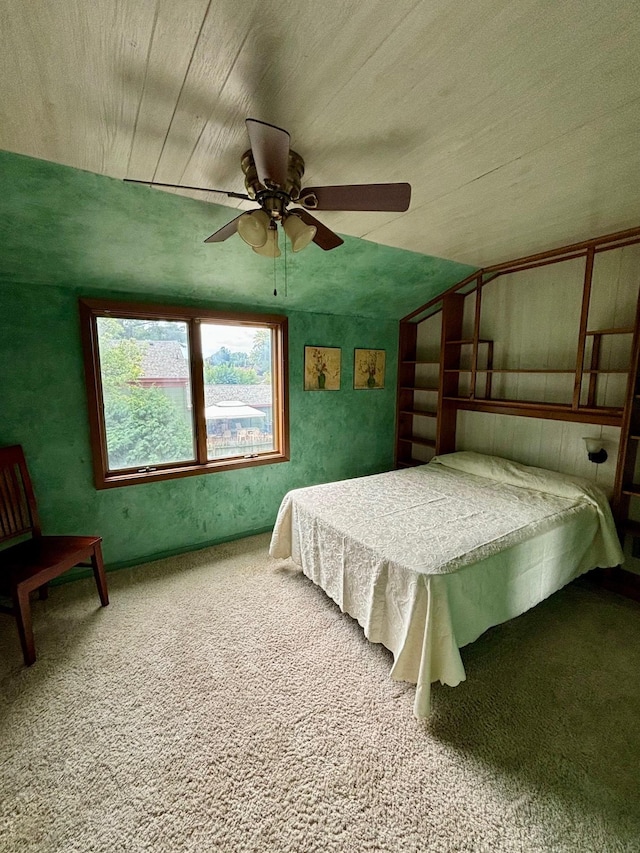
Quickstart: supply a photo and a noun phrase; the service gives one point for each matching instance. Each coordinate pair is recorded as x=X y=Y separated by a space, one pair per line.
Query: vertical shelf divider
x=452 y=311
x=406 y=380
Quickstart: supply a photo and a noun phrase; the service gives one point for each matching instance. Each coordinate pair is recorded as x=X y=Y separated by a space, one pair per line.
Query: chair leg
x=22 y=612
x=99 y=574
x=43 y=592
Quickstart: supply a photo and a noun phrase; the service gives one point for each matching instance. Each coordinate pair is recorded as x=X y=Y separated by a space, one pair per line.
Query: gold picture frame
x=368 y=368
x=322 y=368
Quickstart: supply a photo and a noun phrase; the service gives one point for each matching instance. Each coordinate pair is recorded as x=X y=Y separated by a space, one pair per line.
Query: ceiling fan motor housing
x=274 y=199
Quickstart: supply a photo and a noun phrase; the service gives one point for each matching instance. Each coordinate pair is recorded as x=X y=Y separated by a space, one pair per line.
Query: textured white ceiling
x=517 y=123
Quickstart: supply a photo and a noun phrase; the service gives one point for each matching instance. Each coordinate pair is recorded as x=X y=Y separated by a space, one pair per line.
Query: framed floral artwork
x=322 y=368
x=368 y=368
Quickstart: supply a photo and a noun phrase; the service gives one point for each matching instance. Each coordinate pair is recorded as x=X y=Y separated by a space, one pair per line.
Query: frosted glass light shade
x=270 y=248
x=299 y=233
x=595 y=450
x=254 y=227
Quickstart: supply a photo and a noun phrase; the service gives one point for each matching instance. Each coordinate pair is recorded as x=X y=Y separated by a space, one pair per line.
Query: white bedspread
x=426 y=559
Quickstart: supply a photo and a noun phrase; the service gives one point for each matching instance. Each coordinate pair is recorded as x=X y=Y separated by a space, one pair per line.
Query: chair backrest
x=18 y=510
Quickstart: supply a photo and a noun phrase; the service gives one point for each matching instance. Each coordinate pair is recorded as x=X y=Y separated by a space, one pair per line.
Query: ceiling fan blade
x=390 y=197
x=325 y=238
x=225 y=232
x=270 y=148
x=183 y=187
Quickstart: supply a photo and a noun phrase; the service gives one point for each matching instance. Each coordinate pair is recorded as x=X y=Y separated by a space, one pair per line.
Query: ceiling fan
x=272 y=176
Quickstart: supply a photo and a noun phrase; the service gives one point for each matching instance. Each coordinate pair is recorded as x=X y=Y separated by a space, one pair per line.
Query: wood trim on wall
x=582 y=335
x=616 y=240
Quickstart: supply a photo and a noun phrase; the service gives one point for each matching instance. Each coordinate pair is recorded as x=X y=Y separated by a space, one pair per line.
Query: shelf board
x=468 y=341
x=620 y=581
x=419 y=412
x=423 y=442
x=530 y=370
x=539 y=404
x=409 y=361
x=417 y=388
x=632 y=489
x=622 y=330
x=410 y=463
x=508 y=370
x=631 y=527
x=610 y=416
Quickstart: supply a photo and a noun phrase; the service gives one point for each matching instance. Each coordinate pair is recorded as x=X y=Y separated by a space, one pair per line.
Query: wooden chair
x=30 y=563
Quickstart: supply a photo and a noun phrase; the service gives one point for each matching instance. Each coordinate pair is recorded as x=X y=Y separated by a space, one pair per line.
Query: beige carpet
x=223 y=703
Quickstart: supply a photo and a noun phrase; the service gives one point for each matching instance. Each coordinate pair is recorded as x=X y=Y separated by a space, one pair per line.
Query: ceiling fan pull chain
x=285 y=269
x=275 y=289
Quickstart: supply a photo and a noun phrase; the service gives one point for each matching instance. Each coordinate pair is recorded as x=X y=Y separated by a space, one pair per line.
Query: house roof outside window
x=250 y=395
x=164 y=360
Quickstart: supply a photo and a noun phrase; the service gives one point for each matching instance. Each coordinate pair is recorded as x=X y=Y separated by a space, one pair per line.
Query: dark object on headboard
x=34 y=561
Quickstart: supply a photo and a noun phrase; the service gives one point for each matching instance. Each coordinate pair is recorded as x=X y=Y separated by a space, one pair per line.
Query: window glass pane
x=238 y=389
x=144 y=367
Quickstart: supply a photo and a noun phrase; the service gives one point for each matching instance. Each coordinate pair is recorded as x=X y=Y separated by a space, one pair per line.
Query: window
x=178 y=391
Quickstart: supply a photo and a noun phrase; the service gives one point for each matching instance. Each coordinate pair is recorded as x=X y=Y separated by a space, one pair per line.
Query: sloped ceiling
x=516 y=123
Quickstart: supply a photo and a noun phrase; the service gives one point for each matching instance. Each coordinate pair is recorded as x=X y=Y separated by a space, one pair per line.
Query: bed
x=428 y=558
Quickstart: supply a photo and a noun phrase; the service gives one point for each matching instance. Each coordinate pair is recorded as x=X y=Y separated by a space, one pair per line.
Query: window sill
x=134 y=478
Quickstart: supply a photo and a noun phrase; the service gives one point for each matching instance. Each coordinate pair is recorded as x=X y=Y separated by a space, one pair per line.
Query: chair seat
x=43 y=558
x=30 y=564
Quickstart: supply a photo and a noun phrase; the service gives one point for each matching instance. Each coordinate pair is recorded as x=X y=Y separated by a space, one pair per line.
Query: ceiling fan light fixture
x=273 y=179
x=298 y=232
x=270 y=249
x=253 y=227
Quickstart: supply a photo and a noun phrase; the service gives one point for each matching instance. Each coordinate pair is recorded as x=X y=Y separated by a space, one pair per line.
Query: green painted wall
x=334 y=434
x=66 y=233
x=68 y=228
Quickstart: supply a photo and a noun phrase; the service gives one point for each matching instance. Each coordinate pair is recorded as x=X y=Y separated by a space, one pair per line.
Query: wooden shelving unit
x=627 y=487
x=418 y=401
x=471 y=356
